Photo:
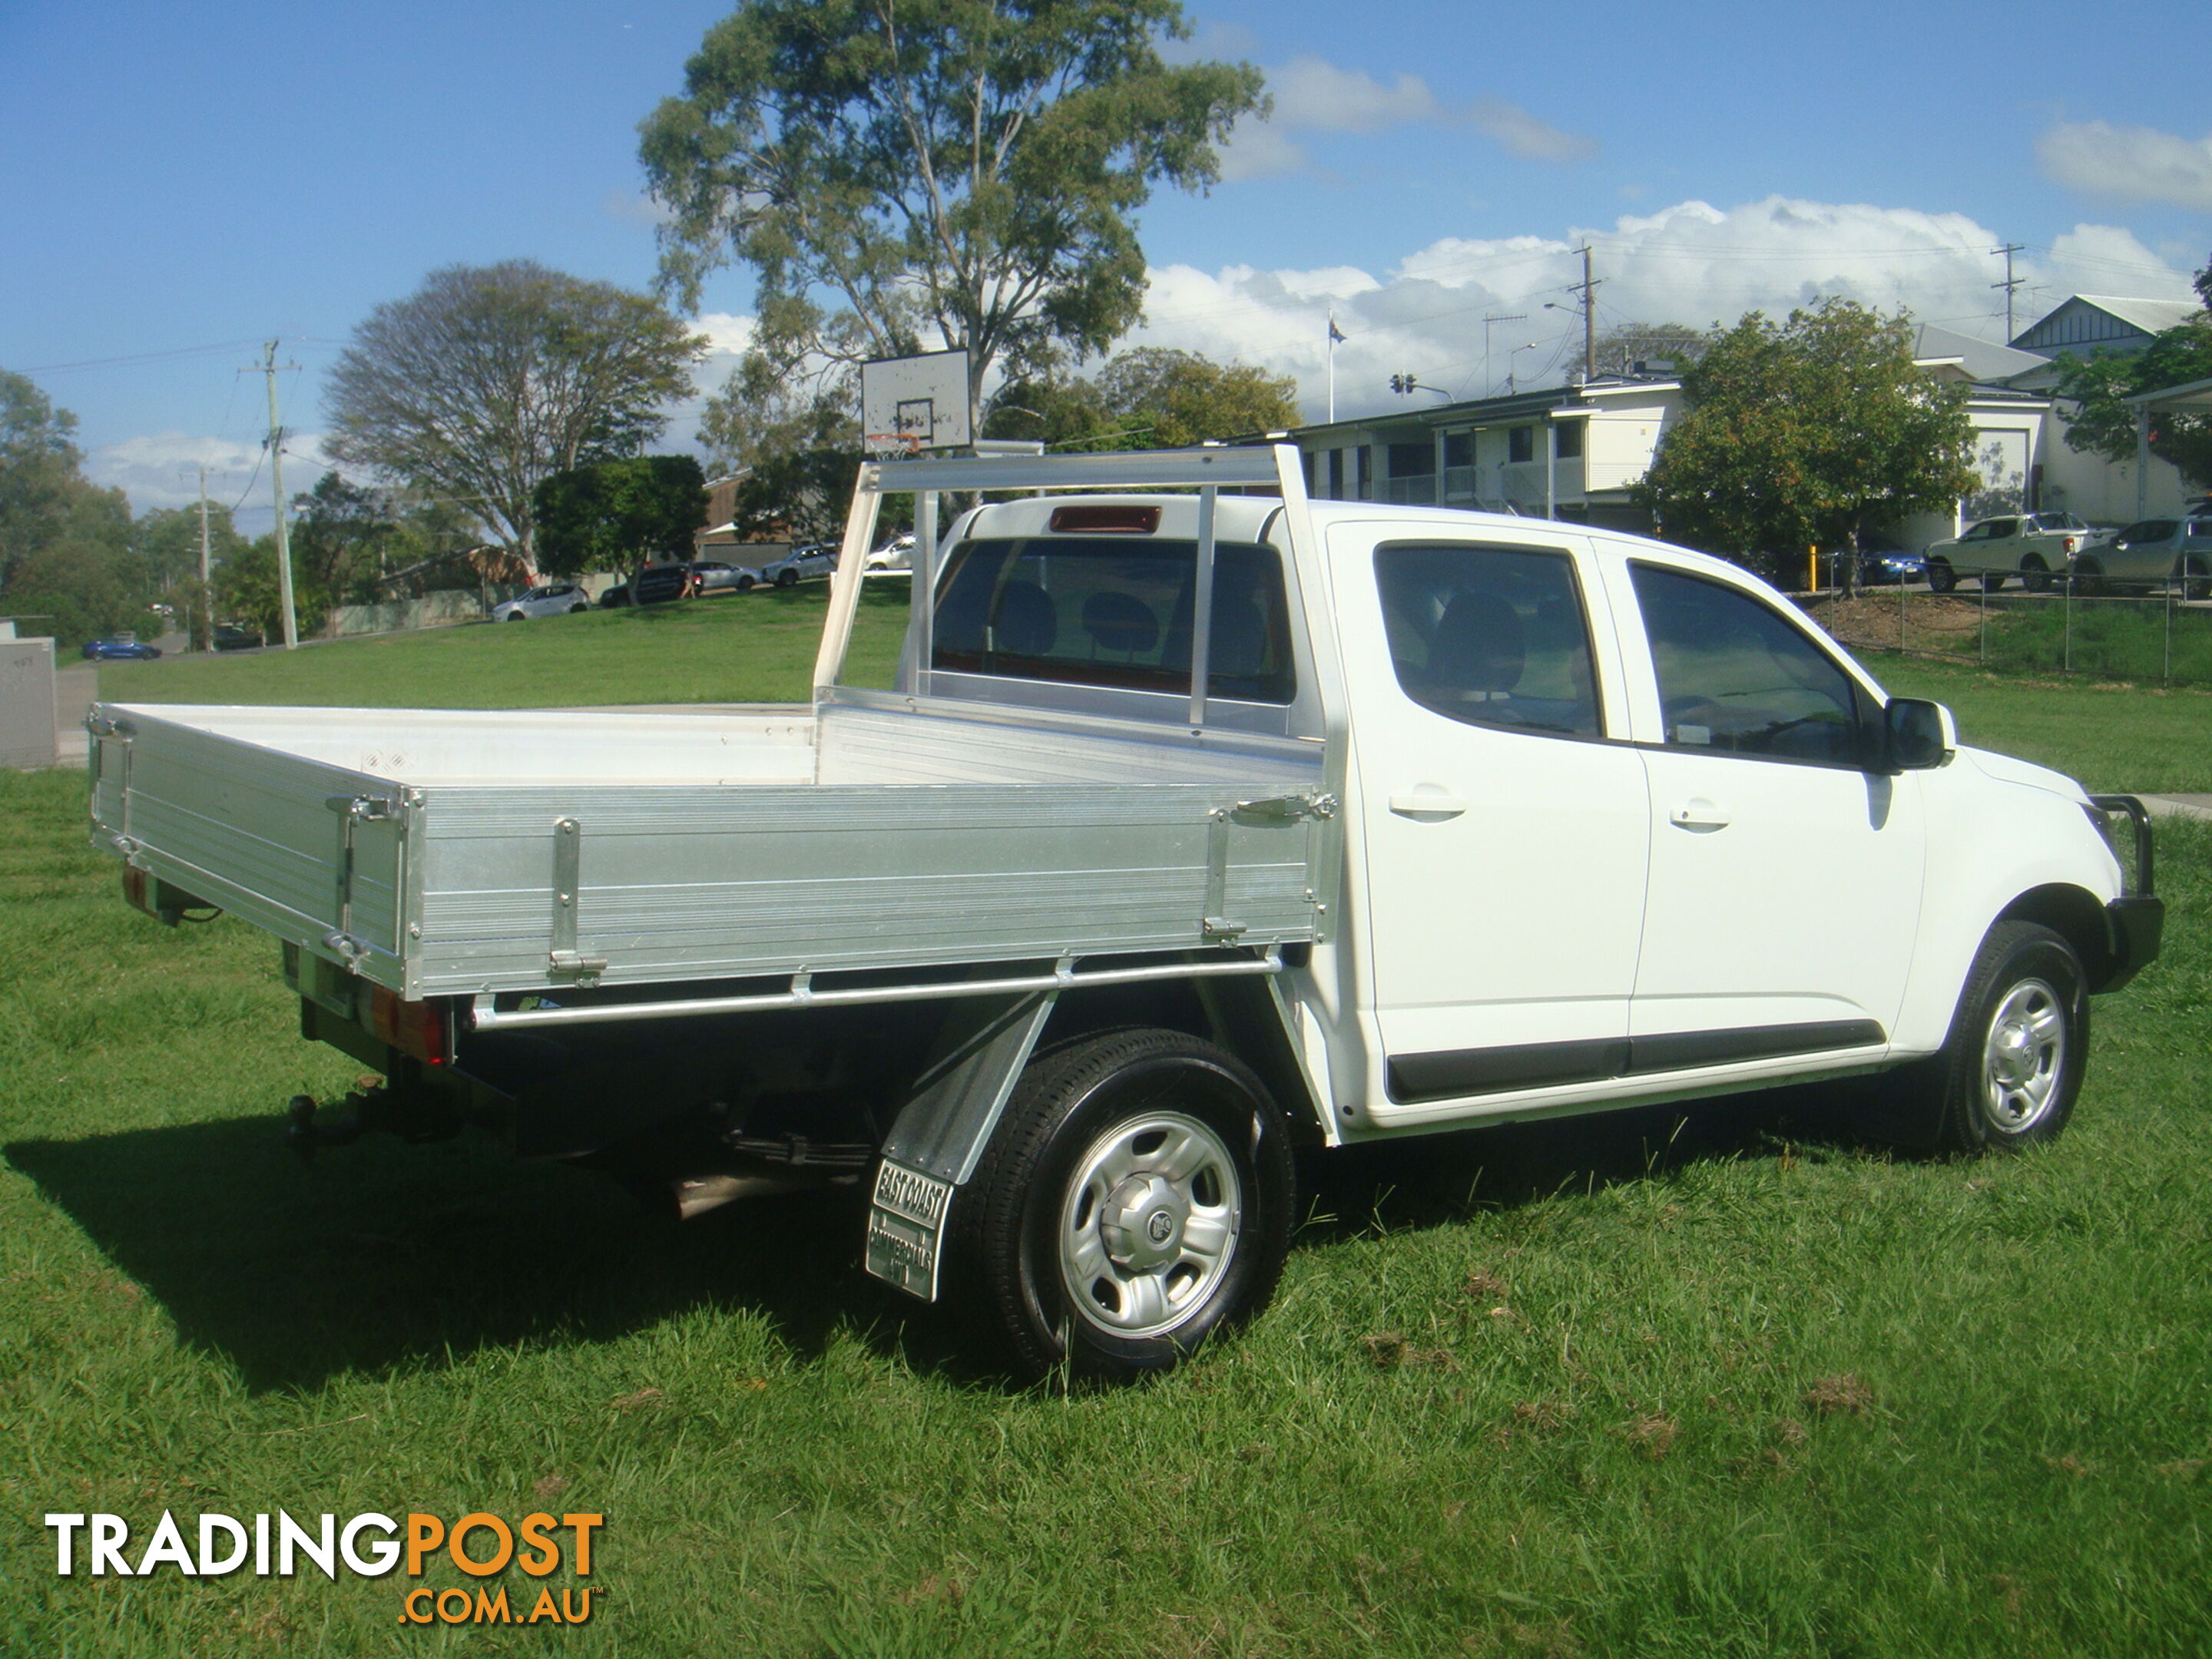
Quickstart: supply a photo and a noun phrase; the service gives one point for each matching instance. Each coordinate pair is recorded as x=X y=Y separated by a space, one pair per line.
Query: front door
x=1785 y=880
x=1504 y=831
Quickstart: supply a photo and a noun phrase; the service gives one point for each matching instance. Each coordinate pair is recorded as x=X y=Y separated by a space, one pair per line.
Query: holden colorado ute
x=1203 y=823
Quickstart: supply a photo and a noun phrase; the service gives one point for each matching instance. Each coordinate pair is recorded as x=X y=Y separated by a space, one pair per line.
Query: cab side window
x=1490 y=635
x=1736 y=678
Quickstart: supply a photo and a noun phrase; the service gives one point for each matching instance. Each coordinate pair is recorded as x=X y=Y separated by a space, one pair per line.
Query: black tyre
x=2195 y=575
x=1941 y=579
x=516 y=615
x=578 y=610
x=2012 y=1066
x=744 y=583
x=1992 y=580
x=1135 y=1199
x=2089 y=578
x=787 y=578
x=2035 y=576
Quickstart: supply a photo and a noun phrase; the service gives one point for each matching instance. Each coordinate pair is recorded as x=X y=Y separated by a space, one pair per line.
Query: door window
x=1490 y=635
x=1735 y=677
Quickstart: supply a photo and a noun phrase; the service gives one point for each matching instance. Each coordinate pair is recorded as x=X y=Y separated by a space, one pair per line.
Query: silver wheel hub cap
x=2023 y=1057
x=1149 y=1223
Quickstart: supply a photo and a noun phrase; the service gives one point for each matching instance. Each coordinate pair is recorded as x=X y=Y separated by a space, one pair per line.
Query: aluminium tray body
x=451 y=853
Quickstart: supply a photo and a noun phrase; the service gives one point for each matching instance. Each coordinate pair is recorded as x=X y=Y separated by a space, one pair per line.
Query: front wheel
x=1941 y=579
x=1136 y=1199
x=2195 y=575
x=2035 y=576
x=515 y=615
x=787 y=578
x=2088 y=579
x=2009 y=1073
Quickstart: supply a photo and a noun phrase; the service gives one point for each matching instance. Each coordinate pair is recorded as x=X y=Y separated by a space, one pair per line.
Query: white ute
x=1200 y=824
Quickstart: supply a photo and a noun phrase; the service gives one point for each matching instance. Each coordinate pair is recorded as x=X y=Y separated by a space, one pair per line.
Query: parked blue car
x=119 y=647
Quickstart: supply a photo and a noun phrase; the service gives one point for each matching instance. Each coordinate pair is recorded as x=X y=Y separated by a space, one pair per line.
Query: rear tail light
x=2072 y=542
x=413 y=1028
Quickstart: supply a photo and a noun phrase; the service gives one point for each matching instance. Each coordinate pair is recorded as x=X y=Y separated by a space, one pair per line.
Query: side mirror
x=1916 y=735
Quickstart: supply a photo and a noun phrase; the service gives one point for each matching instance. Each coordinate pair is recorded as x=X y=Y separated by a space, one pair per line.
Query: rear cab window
x=1490 y=635
x=1116 y=613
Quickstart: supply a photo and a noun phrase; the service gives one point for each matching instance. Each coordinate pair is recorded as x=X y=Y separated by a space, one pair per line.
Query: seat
x=1478 y=650
x=1120 y=622
x=1027 y=623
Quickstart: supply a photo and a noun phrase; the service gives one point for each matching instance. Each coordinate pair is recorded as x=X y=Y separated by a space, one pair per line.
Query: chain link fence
x=2162 y=637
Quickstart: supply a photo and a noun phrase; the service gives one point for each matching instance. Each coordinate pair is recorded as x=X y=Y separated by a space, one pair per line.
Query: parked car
x=230 y=636
x=897 y=553
x=801 y=564
x=559 y=599
x=119 y=647
x=1886 y=567
x=2150 y=552
x=2033 y=546
x=719 y=576
x=653 y=584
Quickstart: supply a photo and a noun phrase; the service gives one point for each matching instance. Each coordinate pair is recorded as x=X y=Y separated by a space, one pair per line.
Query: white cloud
x=1690 y=263
x=1314 y=95
x=729 y=335
x=636 y=206
x=163 y=470
x=2134 y=163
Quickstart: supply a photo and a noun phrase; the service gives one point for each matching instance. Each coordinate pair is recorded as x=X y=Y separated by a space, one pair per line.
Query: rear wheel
x=1992 y=580
x=2009 y=1073
x=1136 y=1199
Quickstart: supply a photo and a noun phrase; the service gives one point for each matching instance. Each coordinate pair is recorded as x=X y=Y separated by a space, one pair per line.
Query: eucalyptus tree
x=898 y=173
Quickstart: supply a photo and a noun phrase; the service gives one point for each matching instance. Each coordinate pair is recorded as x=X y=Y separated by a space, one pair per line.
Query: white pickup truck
x=1201 y=824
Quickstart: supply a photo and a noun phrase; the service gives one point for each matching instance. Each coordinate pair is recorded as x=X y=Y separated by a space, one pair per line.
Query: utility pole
x=1488 y=320
x=2011 y=285
x=1587 y=288
x=207 y=592
x=276 y=479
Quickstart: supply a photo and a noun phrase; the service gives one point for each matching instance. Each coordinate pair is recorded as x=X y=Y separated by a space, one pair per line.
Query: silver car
x=801 y=564
x=559 y=599
x=719 y=576
x=2148 y=553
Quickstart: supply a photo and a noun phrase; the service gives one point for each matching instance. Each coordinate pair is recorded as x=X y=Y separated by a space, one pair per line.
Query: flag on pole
x=1335 y=334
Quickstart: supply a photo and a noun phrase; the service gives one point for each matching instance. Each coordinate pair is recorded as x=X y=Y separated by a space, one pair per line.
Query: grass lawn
x=1630 y=1386
x=740 y=648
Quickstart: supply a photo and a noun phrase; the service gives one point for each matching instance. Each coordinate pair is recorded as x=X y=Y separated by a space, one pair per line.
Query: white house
x=1573 y=452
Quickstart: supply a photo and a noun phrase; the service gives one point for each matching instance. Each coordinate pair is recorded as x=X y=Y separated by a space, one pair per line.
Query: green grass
x=2109 y=735
x=2119 y=639
x=1616 y=1425
x=747 y=647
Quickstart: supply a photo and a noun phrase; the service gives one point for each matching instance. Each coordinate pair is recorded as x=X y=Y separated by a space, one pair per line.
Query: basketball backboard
x=914 y=404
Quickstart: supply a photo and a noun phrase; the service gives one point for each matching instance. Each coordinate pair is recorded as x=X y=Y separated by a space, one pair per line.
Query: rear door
x=1505 y=824
x=1785 y=880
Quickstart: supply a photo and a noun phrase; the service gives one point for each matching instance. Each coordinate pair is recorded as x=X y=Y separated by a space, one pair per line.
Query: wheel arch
x=2077 y=916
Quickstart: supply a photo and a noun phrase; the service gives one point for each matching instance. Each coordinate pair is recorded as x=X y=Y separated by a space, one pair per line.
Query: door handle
x=1420 y=803
x=1698 y=813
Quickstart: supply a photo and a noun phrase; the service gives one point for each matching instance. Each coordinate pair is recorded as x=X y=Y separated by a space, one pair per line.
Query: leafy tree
x=245 y=589
x=65 y=552
x=2092 y=395
x=613 y=514
x=1805 y=433
x=39 y=476
x=341 y=539
x=965 y=169
x=166 y=544
x=491 y=378
x=1151 y=398
x=1623 y=346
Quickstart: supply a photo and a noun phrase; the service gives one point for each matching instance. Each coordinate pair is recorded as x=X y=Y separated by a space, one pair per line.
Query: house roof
x=1981 y=360
x=2123 y=321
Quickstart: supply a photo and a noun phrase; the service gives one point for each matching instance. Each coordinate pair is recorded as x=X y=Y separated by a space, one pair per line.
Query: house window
x=1336 y=474
x=1567 y=440
x=1521 y=443
x=1459 y=449
x=1413 y=461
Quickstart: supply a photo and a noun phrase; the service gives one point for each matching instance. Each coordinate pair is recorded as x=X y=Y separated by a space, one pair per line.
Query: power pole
x=276 y=479
x=1587 y=288
x=207 y=592
x=2011 y=285
x=1508 y=317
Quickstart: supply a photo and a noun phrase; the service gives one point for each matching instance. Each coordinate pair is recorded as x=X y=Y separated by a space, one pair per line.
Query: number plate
x=906 y=1228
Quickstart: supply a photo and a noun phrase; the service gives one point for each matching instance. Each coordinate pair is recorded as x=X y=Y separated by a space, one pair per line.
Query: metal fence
x=2161 y=637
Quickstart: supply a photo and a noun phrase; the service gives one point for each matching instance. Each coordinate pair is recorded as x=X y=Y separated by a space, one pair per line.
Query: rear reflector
x=413 y=1028
x=1112 y=518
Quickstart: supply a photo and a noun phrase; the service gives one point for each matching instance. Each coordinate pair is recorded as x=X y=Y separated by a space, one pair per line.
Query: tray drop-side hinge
x=565 y=961
x=366 y=809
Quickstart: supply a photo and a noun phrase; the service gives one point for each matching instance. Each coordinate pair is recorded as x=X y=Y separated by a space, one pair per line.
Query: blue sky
x=182 y=182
